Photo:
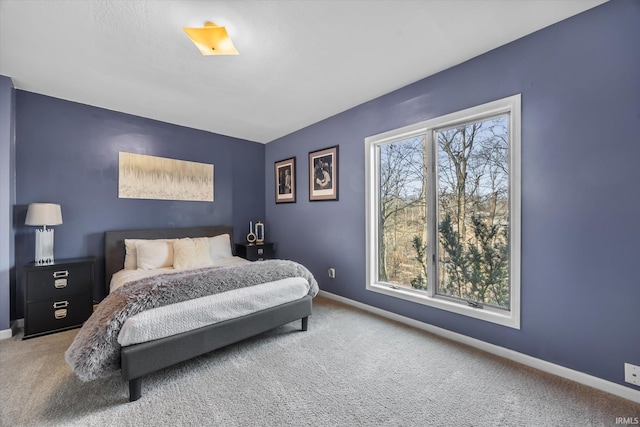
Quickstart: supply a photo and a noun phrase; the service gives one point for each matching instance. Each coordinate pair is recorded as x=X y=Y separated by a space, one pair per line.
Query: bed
x=139 y=359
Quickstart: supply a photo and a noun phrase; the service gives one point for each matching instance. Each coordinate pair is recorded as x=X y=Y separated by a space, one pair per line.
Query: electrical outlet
x=332 y=273
x=632 y=373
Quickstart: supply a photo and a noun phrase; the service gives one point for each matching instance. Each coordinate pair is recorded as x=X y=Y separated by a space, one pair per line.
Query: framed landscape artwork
x=149 y=177
x=323 y=174
x=285 y=174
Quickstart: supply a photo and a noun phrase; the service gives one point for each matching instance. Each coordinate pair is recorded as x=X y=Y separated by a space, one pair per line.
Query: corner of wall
x=7 y=199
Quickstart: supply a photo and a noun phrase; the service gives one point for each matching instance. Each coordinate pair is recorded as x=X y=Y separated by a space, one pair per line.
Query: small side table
x=255 y=251
x=58 y=296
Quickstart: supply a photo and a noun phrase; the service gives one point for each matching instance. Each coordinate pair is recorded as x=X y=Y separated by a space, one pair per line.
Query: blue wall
x=67 y=153
x=7 y=198
x=580 y=87
x=580 y=119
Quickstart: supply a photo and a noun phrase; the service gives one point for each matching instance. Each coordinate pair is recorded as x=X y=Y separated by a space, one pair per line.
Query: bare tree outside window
x=443 y=212
x=473 y=211
x=402 y=211
x=472 y=208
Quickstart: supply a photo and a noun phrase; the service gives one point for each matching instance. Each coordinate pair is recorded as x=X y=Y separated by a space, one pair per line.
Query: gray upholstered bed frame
x=141 y=359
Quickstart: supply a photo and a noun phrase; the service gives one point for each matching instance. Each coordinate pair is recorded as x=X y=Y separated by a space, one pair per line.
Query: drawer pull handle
x=60 y=283
x=61 y=273
x=60 y=304
x=61 y=314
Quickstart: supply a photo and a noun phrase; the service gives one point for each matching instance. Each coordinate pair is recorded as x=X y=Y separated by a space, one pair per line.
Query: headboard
x=114 y=242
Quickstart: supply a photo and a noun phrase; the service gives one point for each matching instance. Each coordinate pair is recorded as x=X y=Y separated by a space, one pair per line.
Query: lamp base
x=44 y=246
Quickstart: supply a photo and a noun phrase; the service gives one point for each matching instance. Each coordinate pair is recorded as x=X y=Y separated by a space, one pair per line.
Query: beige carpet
x=349 y=369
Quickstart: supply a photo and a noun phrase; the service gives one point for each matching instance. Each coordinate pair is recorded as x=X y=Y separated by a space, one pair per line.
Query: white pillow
x=153 y=254
x=220 y=247
x=191 y=253
x=131 y=254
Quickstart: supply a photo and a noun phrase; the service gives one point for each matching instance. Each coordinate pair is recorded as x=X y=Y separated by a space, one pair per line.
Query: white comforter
x=177 y=318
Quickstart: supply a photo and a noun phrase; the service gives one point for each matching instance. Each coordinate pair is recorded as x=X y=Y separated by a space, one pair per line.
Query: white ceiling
x=300 y=61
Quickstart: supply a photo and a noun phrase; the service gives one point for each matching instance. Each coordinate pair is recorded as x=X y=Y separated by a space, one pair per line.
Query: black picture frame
x=323 y=174
x=285 y=180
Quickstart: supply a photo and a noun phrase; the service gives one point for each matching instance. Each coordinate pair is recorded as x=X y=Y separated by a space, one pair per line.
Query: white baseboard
x=543 y=365
x=15 y=326
x=6 y=333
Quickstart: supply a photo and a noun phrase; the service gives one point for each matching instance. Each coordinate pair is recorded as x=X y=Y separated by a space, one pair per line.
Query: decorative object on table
x=251 y=237
x=259 y=232
x=44 y=214
x=323 y=174
x=150 y=177
x=285 y=174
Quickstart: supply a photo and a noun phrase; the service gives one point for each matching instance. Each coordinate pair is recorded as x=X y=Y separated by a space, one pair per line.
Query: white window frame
x=511 y=106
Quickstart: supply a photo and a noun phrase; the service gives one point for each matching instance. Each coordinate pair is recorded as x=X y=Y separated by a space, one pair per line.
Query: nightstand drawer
x=260 y=252
x=57 y=314
x=255 y=252
x=58 y=282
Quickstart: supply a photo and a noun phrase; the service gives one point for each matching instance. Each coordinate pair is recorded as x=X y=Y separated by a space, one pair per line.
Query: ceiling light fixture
x=212 y=40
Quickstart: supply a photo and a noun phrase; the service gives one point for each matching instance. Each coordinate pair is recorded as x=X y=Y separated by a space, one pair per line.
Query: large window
x=443 y=212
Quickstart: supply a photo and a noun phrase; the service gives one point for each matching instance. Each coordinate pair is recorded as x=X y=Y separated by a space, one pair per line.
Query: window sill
x=510 y=319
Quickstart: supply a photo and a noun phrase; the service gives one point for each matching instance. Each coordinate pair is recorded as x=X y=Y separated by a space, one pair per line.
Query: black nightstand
x=255 y=252
x=57 y=296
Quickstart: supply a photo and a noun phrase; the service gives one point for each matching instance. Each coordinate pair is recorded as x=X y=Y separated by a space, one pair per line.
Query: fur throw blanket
x=95 y=351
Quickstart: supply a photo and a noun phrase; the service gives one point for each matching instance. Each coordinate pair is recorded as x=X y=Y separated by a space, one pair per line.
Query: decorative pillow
x=220 y=247
x=191 y=253
x=153 y=254
x=131 y=254
x=130 y=262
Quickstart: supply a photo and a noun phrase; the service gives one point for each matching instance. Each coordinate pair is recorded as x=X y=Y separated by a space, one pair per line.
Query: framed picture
x=323 y=174
x=285 y=171
x=150 y=177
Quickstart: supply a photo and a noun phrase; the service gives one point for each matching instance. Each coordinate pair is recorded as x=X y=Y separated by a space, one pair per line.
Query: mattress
x=177 y=318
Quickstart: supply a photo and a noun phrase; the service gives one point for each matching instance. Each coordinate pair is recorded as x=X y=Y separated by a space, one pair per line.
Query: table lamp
x=44 y=214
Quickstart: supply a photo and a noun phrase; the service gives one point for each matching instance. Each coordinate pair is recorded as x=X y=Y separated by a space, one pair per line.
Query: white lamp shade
x=43 y=214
